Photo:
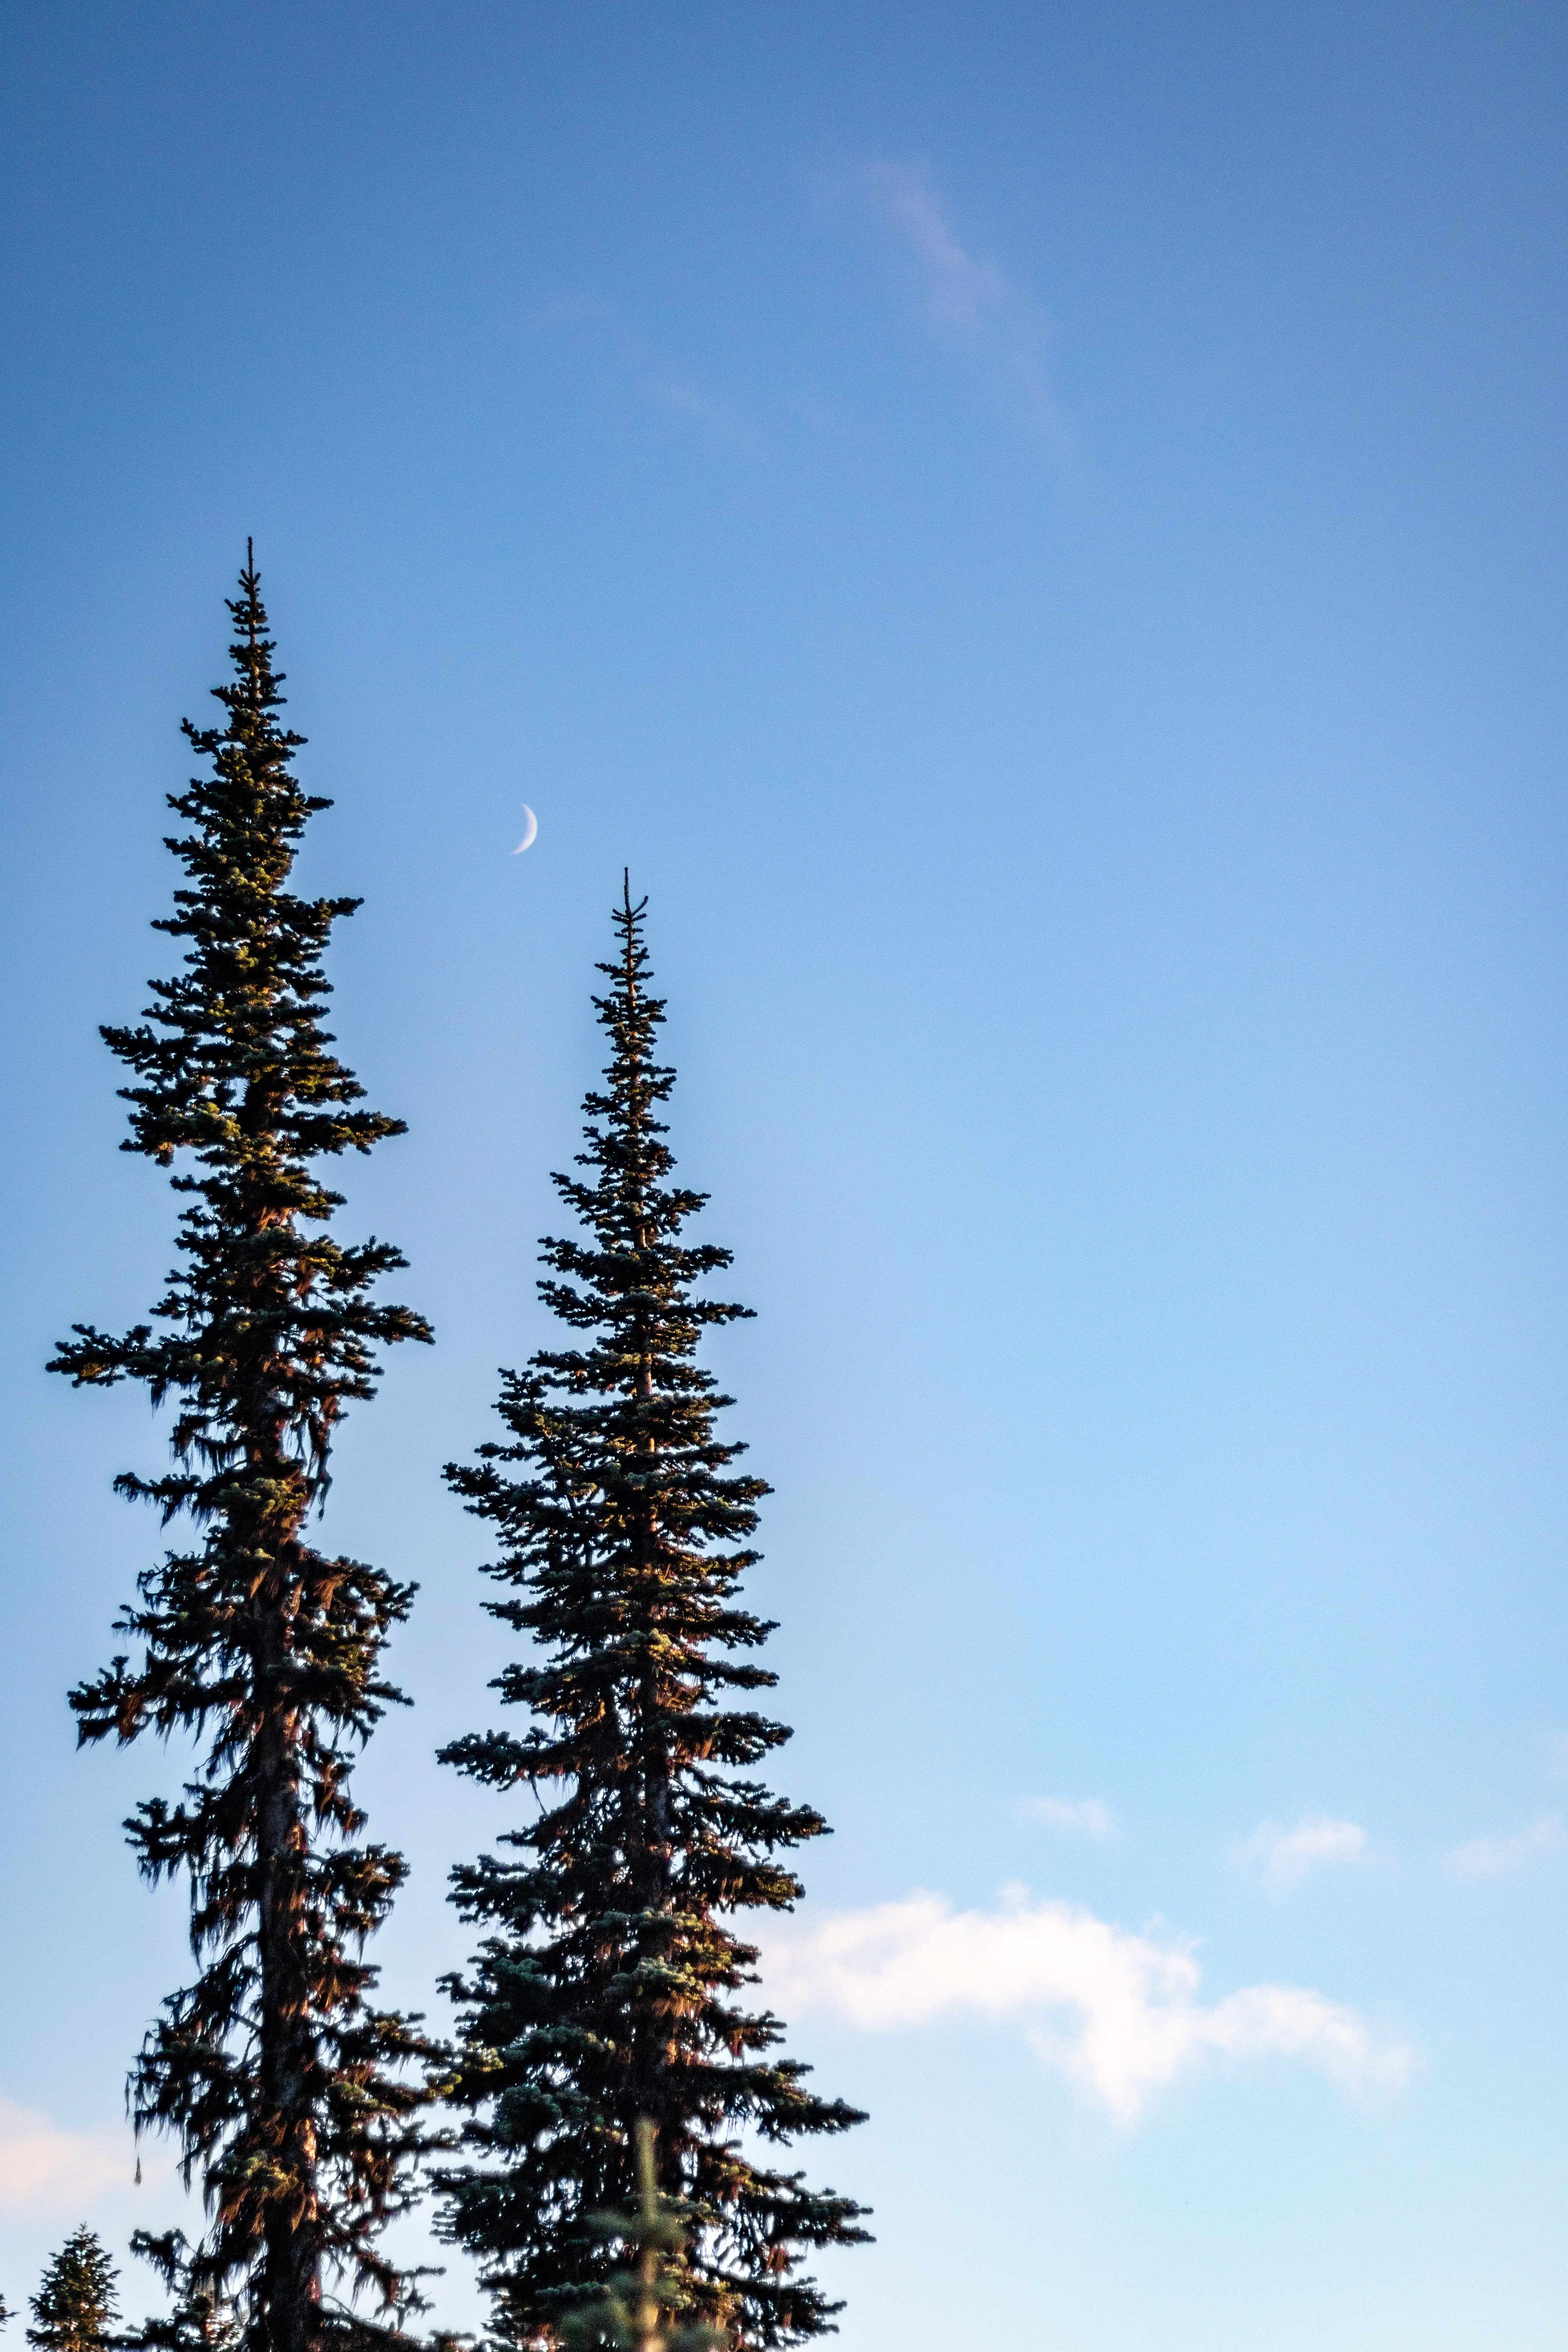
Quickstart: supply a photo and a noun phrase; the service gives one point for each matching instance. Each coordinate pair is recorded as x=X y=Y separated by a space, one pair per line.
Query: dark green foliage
x=76 y=2300
x=282 y=2083
x=643 y=2309
x=607 y=1991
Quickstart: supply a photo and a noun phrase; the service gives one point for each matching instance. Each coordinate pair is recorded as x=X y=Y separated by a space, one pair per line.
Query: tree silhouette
x=76 y=2299
x=609 y=1986
x=280 y=2081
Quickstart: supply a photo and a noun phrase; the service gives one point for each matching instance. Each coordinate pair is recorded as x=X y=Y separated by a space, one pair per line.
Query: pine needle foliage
x=608 y=1988
x=283 y=2085
x=643 y=2309
x=76 y=2297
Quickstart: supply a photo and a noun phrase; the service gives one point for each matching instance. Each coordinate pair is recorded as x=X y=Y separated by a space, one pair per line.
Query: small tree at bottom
x=643 y=2309
x=77 y=2298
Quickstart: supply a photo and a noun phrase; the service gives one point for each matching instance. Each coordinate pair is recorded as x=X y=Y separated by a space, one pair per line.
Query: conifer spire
x=280 y=2081
x=77 y=2298
x=608 y=1990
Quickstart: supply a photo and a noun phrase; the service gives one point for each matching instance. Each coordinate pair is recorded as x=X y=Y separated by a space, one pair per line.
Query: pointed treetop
x=76 y=2299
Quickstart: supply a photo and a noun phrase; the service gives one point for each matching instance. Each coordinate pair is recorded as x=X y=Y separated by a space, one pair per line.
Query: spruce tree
x=76 y=2299
x=609 y=1989
x=283 y=2084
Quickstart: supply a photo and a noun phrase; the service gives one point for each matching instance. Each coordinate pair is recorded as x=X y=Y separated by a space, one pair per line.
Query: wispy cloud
x=685 y=398
x=1283 y=1858
x=1498 y=1857
x=1118 y=2014
x=45 y=2168
x=961 y=296
x=655 y=377
x=1079 y=1816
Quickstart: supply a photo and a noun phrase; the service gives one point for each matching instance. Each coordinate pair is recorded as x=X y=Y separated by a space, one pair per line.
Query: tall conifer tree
x=281 y=2081
x=609 y=1989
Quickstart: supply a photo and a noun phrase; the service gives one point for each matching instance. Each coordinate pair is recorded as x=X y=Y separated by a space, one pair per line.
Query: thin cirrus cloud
x=1499 y=1857
x=46 y=2168
x=1116 y=2014
x=1078 y=1816
x=1283 y=1858
x=960 y=296
x=653 y=375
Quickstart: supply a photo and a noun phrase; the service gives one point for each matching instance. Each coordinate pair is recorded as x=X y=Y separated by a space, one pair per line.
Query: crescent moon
x=532 y=830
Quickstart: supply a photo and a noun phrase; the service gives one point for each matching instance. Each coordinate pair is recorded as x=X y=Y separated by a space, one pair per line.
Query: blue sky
x=1038 y=533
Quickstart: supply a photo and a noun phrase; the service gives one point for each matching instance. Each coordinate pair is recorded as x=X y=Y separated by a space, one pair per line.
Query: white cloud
x=961 y=297
x=45 y=2168
x=1116 y=2013
x=1084 y=1816
x=1496 y=1857
x=1283 y=1857
x=962 y=294
x=667 y=386
x=684 y=398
